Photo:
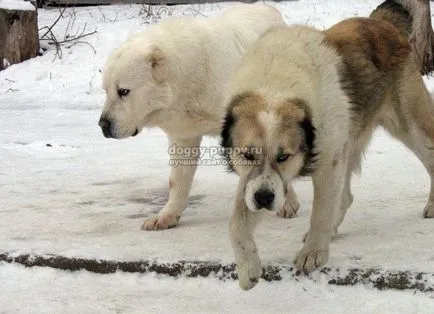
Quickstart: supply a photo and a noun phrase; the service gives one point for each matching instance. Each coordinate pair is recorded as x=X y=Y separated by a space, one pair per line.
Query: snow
x=17 y=5
x=34 y=291
x=67 y=190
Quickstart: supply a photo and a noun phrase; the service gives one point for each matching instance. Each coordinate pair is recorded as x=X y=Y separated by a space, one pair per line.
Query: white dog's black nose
x=105 y=127
x=264 y=198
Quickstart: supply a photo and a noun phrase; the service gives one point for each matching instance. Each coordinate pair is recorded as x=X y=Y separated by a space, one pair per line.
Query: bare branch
x=68 y=38
x=82 y=42
x=76 y=38
x=12 y=90
x=55 y=22
x=105 y=18
x=154 y=13
x=195 y=12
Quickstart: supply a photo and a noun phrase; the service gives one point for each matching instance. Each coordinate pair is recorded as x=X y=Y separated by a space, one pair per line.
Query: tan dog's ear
x=158 y=62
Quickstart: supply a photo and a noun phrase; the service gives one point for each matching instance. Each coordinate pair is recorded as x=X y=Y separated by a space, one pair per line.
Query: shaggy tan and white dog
x=171 y=76
x=309 y=101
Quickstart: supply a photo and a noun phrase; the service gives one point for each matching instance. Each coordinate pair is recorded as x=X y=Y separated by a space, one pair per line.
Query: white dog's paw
x=289 y=209
x=160 y=222
x=308 y=259
x=428 y=212
x=249 y=274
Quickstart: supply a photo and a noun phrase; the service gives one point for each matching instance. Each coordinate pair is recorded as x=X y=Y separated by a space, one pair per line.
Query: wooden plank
x=152 y=2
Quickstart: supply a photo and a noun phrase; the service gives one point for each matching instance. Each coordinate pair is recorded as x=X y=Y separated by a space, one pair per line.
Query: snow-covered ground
x=44 y=290
x=16 y=5
x=67 y=190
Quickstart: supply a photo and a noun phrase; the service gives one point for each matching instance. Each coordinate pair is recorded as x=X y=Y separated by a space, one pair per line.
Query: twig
x=196 y=12
x=74 y=39
x=82 y=42
x=55 y=22
x=91 y=90
x=149 y=11
x=104 y=18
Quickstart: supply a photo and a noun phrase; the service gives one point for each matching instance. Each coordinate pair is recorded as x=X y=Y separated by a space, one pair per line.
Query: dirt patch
x=380 y=279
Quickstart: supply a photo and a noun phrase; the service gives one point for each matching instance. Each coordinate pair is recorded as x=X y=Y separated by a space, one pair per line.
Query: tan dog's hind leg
x=184 y=155
x=423 y=148
x=414 y=126
x=346 y=201
x=354 y=165
x=246 y=254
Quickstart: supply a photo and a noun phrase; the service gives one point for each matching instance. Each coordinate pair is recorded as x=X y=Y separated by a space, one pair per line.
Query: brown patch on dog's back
x=373 y=52
x=380 y=41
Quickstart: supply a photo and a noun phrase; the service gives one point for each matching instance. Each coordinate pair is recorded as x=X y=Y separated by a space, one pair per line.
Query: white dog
x=172 y=76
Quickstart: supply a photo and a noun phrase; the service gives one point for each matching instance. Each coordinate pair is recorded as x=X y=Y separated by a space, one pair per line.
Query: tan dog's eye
x=249 y=156
x=122 y=92
x=282 y=157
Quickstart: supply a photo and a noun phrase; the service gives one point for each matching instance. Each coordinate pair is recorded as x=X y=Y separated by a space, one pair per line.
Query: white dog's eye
x=282 y=157
x=122 y=92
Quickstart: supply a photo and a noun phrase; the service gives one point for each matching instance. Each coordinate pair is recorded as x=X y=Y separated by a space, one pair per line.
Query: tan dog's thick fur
x=172 y=76
x=311 y=100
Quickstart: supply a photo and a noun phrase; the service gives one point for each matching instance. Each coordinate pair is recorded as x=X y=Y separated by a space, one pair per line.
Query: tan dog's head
x=268 y=144
x=134 y=80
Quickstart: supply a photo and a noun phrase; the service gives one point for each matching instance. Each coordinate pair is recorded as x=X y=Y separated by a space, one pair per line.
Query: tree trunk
x=19 y=39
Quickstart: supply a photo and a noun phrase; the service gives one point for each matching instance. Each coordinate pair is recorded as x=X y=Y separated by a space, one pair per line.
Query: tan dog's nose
x=264 y=198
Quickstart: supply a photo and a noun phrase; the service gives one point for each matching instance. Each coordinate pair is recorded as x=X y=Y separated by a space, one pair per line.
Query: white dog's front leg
x=328 y=185
x=184 y=155
x=246 y=254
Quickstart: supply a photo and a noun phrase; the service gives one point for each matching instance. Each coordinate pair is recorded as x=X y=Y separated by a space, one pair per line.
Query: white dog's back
x=207 y=50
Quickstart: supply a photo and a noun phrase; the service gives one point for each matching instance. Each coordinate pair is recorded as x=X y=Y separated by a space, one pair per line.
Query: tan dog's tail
x=402 y=19
x=394 y=13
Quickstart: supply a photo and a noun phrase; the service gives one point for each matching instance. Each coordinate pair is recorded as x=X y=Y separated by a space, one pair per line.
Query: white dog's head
x=135 y=82
x=268 y=144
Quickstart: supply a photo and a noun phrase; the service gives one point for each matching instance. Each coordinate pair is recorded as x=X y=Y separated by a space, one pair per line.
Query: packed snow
x=67 y=190
x=45 y=290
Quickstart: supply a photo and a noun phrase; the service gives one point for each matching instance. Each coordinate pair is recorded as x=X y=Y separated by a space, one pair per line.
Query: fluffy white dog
x=172 y=76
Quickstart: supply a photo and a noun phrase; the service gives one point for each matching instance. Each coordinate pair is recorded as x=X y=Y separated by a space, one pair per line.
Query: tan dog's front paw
x=249 y=274
x=333 y=235
x=289 y=209
x=309 y=259
x=160 y=222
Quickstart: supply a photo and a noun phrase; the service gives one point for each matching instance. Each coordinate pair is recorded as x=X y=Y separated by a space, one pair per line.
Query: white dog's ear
x=158 y=63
